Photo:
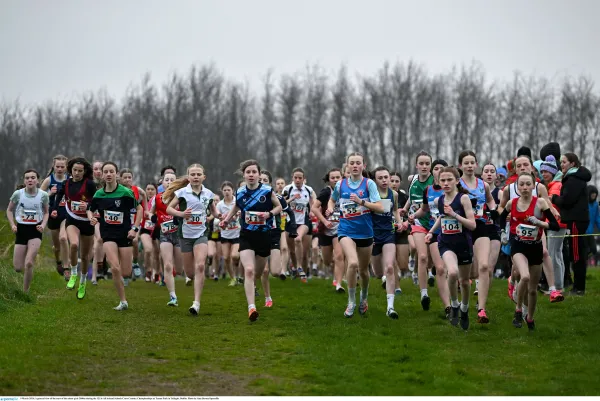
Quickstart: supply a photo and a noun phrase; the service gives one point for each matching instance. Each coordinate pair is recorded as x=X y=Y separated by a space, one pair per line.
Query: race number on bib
x=196 y=219
x=255 y=219
x=479 y=211
x=232 y=225
x=132 y=216
x=29 y=216
x=451 y=226
x=334 y=217
x=78 y=207
x=111 y=217
x=148 y=225
x=168 y=227
x=299 y=207
x=352 y=209
x=62 y=202
x=525 y=232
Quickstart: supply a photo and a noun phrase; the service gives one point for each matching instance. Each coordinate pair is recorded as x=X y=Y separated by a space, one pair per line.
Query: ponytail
x=179 y=183
x=462 y=189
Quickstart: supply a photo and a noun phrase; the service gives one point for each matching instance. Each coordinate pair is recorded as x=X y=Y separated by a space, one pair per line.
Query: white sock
x=424 y=293
x=352 y=295
x=251 y=306
x=430 y=273
x=455 y=303
x=364 y=293
x=553 y=288
x=196 y=304
x=268 y=299
x=74 y=270
x=464 y=307
x=390 y=301
x=83 y=278
x=476 y=284
x=172 y=294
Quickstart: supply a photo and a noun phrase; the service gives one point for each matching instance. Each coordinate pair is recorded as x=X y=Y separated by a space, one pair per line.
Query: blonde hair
x=179 y=183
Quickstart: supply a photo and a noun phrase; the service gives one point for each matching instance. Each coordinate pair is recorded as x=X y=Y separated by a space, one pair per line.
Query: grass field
x=53 y=344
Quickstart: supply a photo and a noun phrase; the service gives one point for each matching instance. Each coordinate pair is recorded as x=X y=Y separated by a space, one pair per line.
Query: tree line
x=310 y=119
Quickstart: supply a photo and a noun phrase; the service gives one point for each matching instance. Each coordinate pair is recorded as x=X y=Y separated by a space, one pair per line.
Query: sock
x=464 y=307
x=390 y=301
x=74 y=270
x=430 y=273
x=251 y=306
x=476 y=284
x=196 y=303
x=352 y=295
x=364 y=293
x=172 y=294
x=83 y=278
x=553 y=288
x=424 y=293
x=455 y=303
x=268 y=299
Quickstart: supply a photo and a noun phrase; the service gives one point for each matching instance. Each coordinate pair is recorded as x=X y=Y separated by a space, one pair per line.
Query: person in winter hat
x=574 y=211
x=548 y=170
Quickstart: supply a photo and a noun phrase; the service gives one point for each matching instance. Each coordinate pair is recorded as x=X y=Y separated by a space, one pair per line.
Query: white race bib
x=168 y=227
x=78 y=207
x=149 y=225
x=352 y=209
x=479 y=211
x=111 y=217
x=196 y=219
x=526 y=232
x=334 y=217
x=29 y=216
x=255 y=219
x=450 y=225
x=299 y=207
x=132 y=216
x=416 y=205
x=387 y=205
x=233 y=225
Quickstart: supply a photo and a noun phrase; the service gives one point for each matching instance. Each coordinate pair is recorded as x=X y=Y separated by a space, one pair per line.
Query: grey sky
x=55 y=49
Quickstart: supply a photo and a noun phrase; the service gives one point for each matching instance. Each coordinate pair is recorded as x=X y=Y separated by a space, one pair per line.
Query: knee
x=235 y=257
x=484 y=267
x=532 y=292
x=74 y=246
x=440 y=271
x=63 y=240
x=249 y=272
x=452 y=275
x=422 y=259
x=525 y=278
x=199 y=267
x=389 y=270
x=352 y=265
x=465 y=282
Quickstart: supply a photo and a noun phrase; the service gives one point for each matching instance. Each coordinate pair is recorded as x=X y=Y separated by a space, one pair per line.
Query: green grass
x=53 y=344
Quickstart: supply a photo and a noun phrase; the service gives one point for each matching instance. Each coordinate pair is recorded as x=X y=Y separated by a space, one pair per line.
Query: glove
x=534 y=220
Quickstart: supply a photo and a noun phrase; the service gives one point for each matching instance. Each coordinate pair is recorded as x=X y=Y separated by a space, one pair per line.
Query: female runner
x=230 y=234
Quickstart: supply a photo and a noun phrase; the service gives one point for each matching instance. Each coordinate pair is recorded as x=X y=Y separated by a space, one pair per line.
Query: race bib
x=149 y=225
x=334 y=217
x=216 y=227
x=196 y=219
x=111 y=217
x=78 y=207
x=352 y=209
x=479 y=211
x=29 y=216
x=488 y=219
x=255 y=219
x=299 y=207
x=525 y=232
x=315 y=226
x=168 y=227
x=232 y=225
x=284 y=216
x=62 y=202
x=387 y=205
x=132 y=217
x=451 y=226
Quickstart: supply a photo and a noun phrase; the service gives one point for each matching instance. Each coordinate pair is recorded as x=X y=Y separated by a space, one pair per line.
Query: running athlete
x=419 y=229
x=78 y=190
x=115 y=203
x=526 y=229
x=357 y=198
x=146 y=231
x=168 y=169
x=51 y=184
x=488 y=175
x=402 y=228
x=170 y=250
x=300 y=197
x=27 y=214
x=283 y=243
x=258 y=204
x=193 y=199
x=230 y=234
x=328 y=240
x=99 y=271
x=140 y=197
x=430 y=207
x=214 y=243
x=384 y=248
x=485 y=230
x=456 y=221
x=274 y=264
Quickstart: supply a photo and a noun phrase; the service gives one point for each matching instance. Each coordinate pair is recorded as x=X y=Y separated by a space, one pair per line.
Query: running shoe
x=232 y=283
x=294 y=273
x=518 y=319
x=122 y=306
x=383 y=282
x=282 y=276
x=194 y=309
x=188 y=281
x=137 y=271
x=431 y=281
x=530 y=323
x=173 y=302
x=94 y=282
x=302 y=275
x=339 y=289
x=454 y=316
x=269 y=303
x=363 y=307
x=72 y=282
x=349 y=312
x=60 y=268
x=556 y=296
x=411 y=263
x=216 y=277
x=240 y=280
x=482 y=317
x=464 y=320
x=392 y=314
x=67 y=274
x=252 y=314
x=425 y=302
x=511 y=288
x=81 y=290
x=415 y=279
x=447 y=311
x=398 y=291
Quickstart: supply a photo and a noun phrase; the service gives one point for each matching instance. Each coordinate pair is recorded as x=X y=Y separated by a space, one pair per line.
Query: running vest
x=59 y=185
x=30 y=209
x=299 y=206
x=163 y=219
x=477 y=193
x=231 y=230
x=355 y=221
x=77 y=204
x=383 y=222
x=195 y=225
x=452 y=230
x=434 y=212
x=415 y=197
x=523 y=230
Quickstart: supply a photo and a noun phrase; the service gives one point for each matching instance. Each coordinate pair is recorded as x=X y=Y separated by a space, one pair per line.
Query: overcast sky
x=52 y=49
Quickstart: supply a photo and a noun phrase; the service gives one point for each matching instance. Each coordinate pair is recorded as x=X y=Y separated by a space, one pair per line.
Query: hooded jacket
x=593 y=208
x=573 y=198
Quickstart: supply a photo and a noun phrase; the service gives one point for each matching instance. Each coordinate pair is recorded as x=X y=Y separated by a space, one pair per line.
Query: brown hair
x=572 y=158
x=454 y=171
